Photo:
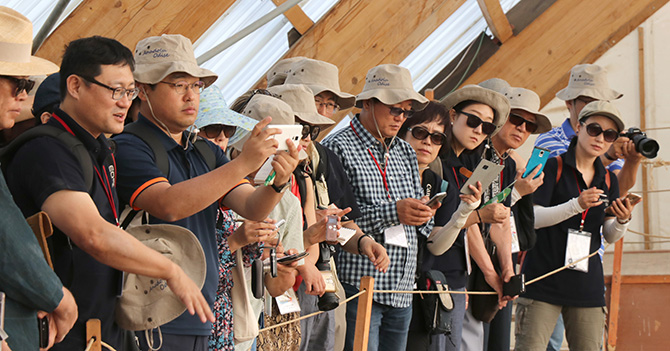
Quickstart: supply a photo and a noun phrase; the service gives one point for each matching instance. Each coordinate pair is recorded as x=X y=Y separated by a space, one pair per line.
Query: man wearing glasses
x=170 y=83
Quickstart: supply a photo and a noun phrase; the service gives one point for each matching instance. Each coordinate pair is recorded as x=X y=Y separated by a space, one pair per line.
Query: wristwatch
x=279 y=188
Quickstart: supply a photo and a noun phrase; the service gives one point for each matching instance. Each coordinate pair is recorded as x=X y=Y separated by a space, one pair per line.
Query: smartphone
x=288 y=131
x=43 y=328
x=516 y=286
x=485 y=172
x=539 y=157
x=435 y=199
x=331 y=229
x=292 y=258
x=634 y=198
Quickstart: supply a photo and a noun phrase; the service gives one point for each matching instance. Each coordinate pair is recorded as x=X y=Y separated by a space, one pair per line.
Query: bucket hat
x=16 y=41
x=529 y=101
x=602 y=108
x=495 y=84
x=146 y=302
x=301 y=100
x=588 y=80
x=390 y=84
x=498 y=102
x=261 y=106
x=159 y=56
x=320 y=76
x=277 y=74
x=214 y=110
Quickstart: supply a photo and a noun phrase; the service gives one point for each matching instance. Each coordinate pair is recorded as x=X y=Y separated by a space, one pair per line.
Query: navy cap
x=47 y=93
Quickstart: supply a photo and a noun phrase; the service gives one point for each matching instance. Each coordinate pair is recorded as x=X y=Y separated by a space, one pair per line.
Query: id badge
x=396 y=236
x=579 y=243
x=468 y=264
x=287 y=302
x=515 y=236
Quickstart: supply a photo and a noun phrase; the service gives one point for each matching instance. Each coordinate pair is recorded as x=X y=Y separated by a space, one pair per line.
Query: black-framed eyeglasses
x=594 y=129
x=22 y=84
x=421 y=133
x=517 y=120
x=474 y=121
x=182 y=86
x=117 y=93
x=310 y=130
x=214 y=130
x=397 y=111
x=330 y=106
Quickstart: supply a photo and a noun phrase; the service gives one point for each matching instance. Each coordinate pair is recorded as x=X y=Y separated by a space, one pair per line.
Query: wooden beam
x=643 y=125
x=613 y=315
x=496 y=19
x=300 y=21
x=363 y=314
x=641 y=279
x=568 y=33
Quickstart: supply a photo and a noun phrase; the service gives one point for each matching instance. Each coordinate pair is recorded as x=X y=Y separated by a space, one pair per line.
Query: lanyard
x=581 y=224
x=106 y=186
x=458 y=184
x=381 y=172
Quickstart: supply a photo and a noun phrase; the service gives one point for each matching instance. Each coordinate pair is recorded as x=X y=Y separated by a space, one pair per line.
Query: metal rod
x=49 y=24
x=246 y=31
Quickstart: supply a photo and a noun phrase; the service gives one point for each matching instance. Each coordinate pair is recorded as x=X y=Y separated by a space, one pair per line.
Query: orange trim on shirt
x=142 y=188
x=223 y=208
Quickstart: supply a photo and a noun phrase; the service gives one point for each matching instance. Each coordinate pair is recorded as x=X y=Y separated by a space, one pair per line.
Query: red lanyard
x=581 y=224
x=382 y=172
x=106 y=186
x=458 y=184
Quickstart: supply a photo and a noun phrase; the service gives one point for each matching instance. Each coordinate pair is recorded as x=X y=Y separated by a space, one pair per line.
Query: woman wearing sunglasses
x=569 y=213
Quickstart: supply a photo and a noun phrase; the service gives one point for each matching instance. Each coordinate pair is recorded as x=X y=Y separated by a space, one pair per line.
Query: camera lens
x=646 y=146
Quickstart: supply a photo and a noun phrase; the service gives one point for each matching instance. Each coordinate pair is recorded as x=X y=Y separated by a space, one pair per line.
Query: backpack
x=436 y=308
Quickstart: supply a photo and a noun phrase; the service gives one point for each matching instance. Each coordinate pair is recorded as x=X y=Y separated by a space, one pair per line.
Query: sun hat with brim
x=159 y=56
x=588 y=80
x=495 y=84
x=16 y=41
x=278 y=73
x=301 y=100
x=527 y=100
x=320 y=76
x=498 y=102
x=48 y=93
x=214 y=110
x=146 y=302
x=602 y=108
x=390 y=84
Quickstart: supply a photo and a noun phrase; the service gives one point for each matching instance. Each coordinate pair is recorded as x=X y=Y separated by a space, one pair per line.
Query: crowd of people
x=171 y=208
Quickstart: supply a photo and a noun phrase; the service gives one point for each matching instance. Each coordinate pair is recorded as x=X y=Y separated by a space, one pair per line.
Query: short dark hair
x=434 y=111
x=84 y=57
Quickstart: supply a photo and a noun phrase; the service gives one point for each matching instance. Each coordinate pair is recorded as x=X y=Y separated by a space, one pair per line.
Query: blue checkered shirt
x=378 y=211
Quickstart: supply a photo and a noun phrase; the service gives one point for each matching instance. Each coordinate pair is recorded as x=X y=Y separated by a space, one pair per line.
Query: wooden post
x=430 y=94
x=615 y=294
x=93 y=331
x=643 y=126
x=363 y=314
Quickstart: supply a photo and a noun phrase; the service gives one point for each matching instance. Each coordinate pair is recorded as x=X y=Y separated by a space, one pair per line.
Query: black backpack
x=436 y=308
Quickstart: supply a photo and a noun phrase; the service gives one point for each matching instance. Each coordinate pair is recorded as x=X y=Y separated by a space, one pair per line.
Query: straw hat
x=157 y=57
x=320 y=76
x=301 y=100
x=602 y=108
x=390 y=84
x=277 y=74
x=16 y=41
x=498 y=102
x=588 y=80
x=146 y=302
x=529 y=101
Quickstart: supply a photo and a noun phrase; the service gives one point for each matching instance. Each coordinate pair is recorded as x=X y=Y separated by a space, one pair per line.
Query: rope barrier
x=649 y=235
x=90 y=344
x=104 y=344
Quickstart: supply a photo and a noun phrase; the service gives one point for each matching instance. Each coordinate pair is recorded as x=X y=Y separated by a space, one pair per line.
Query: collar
x=98 y=146
x=165 y=139
x=567 y=129
x=366 y=137
x=569 y=158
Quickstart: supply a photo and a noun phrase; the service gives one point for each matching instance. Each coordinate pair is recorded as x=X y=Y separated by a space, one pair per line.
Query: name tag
x=396 y=236
x=287 y=302
x=579 y=243
x=515 y=236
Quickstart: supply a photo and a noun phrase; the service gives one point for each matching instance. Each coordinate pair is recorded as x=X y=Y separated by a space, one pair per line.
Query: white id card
x=287 y=302
x=579 y=243
x=515 y=236
x=396 y=236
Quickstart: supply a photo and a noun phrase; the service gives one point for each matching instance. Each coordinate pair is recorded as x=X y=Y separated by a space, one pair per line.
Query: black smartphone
x=515 y=286
x=292 y=258
x=43 y=327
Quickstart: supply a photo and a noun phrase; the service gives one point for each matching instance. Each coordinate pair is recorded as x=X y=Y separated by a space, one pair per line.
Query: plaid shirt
x=378 y=207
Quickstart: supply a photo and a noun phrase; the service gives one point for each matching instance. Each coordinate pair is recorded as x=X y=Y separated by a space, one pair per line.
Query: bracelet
x=626 y=221
x=607 y=156
x=478 y=216
x=359 y=242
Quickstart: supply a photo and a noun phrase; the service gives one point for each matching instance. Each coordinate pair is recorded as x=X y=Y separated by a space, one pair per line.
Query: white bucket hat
x=605 y=109
x=159 y=56
x=277 y=74
x=320 y=76
x=16 y=41
x=498 y=102
x=146 y=302
x=588 y=80
x=301 y=100
x=529 y=101
x=390 y=84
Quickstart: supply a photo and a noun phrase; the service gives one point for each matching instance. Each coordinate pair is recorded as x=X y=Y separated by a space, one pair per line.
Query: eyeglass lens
x=421 y=133
x=473 y=122
x=518 y=121
x=214 y=130
x=594 y=129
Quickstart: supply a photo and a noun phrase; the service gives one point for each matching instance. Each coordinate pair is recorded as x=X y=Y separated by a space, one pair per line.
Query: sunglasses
x=594 y=129
x=421 y=133
x=310 y=130
x=473 y=122
x=21 y=84
x=517 y=120
x=214 y=130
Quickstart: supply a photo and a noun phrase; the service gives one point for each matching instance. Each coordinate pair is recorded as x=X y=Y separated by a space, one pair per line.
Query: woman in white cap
x=570 y=209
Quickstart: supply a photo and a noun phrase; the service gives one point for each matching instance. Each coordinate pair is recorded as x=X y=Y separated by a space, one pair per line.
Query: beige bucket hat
x=602 y=108
x=277 y=74
x=588 y=80
x=529 y=101
x=320 y=76
x=498 y=102
x=16 y=41
x=146 y=302
x=301 y=100
x=495 y=84
x=261 y=106
x=390 y=84
x=159 y=56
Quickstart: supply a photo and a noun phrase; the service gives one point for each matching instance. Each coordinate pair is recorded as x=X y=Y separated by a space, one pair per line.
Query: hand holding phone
x=331 y=229
x=539 y=157
x=292 y=258
x=288 y=131
x=435 y=199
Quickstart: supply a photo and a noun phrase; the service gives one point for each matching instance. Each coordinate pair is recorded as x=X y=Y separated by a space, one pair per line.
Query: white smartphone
x=485 y=172
x=288 y=131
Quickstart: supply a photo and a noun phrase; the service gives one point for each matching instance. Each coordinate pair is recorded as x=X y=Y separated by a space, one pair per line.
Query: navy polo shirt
x=137 y=171
x=568 y=287
x=44 y=166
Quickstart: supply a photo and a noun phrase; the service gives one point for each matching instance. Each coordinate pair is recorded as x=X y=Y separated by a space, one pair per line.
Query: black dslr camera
x=258 y=270
x=328 y=300
x=648 y=147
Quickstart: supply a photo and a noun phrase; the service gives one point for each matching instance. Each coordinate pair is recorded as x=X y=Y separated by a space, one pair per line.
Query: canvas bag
x=245 y=322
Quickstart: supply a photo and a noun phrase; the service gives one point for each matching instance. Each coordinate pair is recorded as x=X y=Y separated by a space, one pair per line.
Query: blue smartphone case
x=538 y=157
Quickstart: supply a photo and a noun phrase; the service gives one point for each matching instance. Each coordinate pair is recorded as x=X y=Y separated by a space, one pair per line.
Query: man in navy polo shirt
x=170 y=82
x=88 y=247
